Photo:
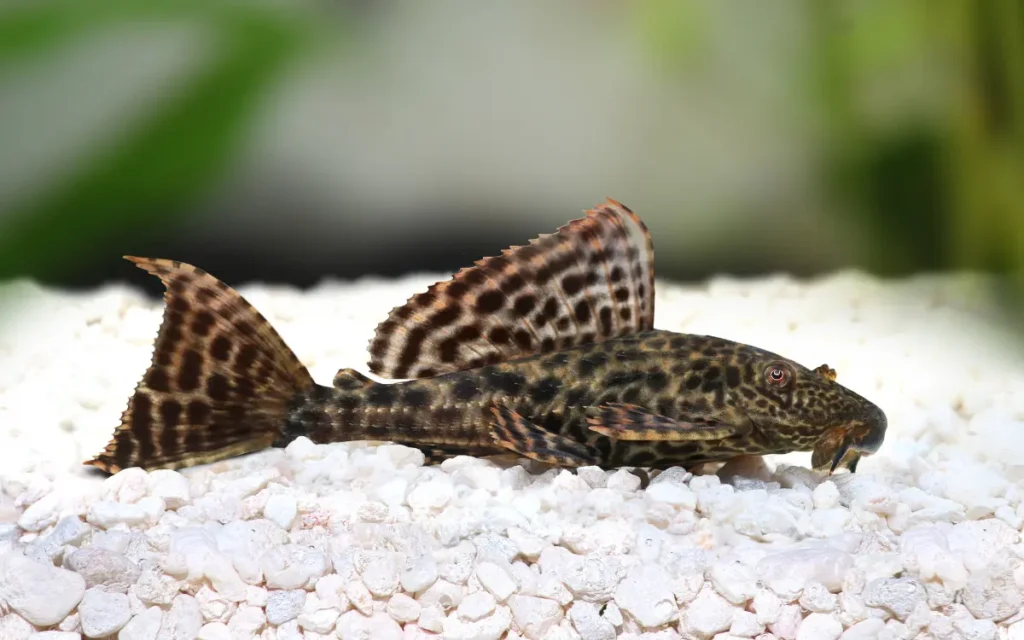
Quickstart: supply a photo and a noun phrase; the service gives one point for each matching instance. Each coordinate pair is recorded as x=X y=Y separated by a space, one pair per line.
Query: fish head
x=800 y=409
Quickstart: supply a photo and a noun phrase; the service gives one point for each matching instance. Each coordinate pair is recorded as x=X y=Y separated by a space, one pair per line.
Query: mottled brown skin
x=672 y=375
x=547 y=351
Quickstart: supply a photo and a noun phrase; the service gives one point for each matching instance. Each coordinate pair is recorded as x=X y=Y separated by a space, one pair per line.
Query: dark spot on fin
x=590 y=281
x=218 y=358
x=517 y=434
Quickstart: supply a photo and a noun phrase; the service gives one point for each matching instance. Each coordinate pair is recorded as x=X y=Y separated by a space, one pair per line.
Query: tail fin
x=219 y=384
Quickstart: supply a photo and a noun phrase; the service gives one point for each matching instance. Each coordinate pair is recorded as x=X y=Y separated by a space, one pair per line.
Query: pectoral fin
x=514 y=432
x=630 y=422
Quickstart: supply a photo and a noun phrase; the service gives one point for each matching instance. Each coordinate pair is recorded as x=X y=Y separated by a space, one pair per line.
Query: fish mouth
x=842 y=447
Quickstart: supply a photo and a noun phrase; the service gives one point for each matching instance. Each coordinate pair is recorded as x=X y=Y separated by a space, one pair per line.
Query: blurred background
x=286 y=142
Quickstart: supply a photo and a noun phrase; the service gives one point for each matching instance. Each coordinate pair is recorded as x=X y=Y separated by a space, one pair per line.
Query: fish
x=546 y=352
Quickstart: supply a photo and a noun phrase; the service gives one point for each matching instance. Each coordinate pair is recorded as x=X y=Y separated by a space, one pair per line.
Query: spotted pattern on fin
x=514 y=432
x=630 y=422
x=591 y=280
x=218 y=384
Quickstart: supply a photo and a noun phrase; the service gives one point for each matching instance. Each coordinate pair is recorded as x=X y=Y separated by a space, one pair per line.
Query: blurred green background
x=290 y=141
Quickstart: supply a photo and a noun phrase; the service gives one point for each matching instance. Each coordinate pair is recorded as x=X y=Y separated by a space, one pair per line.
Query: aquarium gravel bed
x=362 y=541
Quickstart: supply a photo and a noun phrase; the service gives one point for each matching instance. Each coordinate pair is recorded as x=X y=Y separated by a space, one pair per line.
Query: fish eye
x=778 y=375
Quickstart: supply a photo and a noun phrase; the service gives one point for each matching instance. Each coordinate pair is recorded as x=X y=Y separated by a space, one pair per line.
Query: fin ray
x=219 y=381
x=591 y=280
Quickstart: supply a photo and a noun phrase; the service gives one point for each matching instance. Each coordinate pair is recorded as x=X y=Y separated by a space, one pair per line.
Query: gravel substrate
x=363 y=542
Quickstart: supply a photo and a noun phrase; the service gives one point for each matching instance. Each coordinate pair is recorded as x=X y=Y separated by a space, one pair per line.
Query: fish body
x=547 y=351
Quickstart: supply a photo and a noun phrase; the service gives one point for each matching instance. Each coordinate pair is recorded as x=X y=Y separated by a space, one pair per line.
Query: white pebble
x=496 y=580
x=677 y=495
x=381 y=576
x=745 y=625
x=819 y=626
x=42 y=594
x=431 y=495
x=403 y=609
x=646 y=595
x=183 y=620
x=214 y=631
x=419 y=574
x=826 y=495
x=247 y=621
x=491 y=627
x=14 y=627
x=353 y=625
x=709 y=613
x=535 y=615
x=899 y=596
x=143 y=626
x=736 y=582
x=281 y=509
x=57 y=635
x=587 y=620
x=285 y=605
x=102 y=613
x=100 y=567
x=476 y=605
x=868 y=629
x=169 y=485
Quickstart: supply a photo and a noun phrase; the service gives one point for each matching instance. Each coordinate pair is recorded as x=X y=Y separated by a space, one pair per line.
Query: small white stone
x=817 y=598
x=496 y=580
x=899 y=596
x=745 y=625
x=107 y=514
x=353 y=625
x=283 y=606
x=612 y=614
x=431 y=495
x=381 y=576
x=281 y=509
x=587 y=620
x=40 y=593
x=596 y=477
x=476 y=605
x=100 y=567
x=535 y=615
x=788 y=624
x=736 y=582
x=360 y=597
x=183 y=620
x=143 y=626
x=767 y=606
x=677 y=495
x=247 y=622
x=214 y=631
x=819 y=626
x=103 y=613
x=826 y=495
x=14 y=627
x=646 y=595
x=403 y=609
x=431 y=618
x=41 y=513
x=623 y=480
x=708 y=613
x=419 y=574
x=491 y=627
x=869 y=629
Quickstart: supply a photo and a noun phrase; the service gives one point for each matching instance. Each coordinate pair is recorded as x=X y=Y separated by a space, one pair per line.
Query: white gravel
x=354 y=541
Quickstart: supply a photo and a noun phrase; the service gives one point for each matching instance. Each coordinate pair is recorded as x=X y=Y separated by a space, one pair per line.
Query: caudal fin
x=219 y=384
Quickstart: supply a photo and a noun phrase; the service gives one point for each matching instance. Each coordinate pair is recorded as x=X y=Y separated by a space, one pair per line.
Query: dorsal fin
x=591 y=280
